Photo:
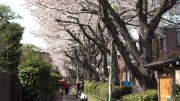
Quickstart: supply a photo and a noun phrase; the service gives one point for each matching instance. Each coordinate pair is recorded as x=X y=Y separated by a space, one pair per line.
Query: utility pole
x=110 y=71
x=77 y=70
x=120 y=74
x=121 y=70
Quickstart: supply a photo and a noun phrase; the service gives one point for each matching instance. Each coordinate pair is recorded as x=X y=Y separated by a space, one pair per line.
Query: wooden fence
x=10 y=89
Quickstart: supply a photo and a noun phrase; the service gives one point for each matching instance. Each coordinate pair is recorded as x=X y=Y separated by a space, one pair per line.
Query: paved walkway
x=58 y=97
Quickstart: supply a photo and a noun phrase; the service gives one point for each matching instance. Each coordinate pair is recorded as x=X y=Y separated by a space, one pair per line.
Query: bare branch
x=76 y=39
x=49 y=7
x=70 y=22
x=165 y=6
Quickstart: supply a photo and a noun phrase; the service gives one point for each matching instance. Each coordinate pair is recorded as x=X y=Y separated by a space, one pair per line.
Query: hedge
x=149 y=95
x=177 y=97
x=37 y=79
x=100 y=90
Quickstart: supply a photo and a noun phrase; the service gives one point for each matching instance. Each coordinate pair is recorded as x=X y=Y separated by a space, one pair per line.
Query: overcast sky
x=27 y=21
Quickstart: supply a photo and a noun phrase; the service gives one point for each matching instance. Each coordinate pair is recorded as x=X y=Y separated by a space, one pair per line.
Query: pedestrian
x=66 y=87
x=61 y=86
x=78 y=88
x=83 y=97
x=78 y=85
x=82 y=86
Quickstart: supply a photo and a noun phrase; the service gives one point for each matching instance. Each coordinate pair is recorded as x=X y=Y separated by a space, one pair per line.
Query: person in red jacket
x=66 y=87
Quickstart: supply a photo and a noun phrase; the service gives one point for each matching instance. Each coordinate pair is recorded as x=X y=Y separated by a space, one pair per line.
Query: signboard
x=165 y=88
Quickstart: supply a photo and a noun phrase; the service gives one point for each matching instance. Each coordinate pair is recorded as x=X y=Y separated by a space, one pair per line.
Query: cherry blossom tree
x=146 y=16
x=68 y=31
x=89 y=23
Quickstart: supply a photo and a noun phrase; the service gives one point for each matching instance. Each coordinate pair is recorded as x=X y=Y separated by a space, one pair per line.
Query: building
x=166 y=45
x=45 y=55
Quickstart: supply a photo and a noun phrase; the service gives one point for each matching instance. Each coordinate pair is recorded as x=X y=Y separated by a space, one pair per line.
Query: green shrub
x=101 y=90
x=116 y=92
x=96 y=89
x=36 y=76
x=54 y=81
x=126 y=90
x=149 y=95
x=177 y=97
x=87 y=87
x=177 y=88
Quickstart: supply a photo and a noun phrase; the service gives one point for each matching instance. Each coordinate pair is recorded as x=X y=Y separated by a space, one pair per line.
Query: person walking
x=66 y=87
x=82 y=86
x=77 y=86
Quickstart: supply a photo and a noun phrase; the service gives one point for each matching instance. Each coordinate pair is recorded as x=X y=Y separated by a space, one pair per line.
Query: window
x=162 y=42
x=178 y=37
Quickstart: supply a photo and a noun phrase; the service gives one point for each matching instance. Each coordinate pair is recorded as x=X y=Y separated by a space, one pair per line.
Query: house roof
x=36 y=49
x=170 y=63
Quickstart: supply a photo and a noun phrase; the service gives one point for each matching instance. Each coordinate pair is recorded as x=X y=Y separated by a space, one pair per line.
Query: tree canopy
x=90 y=24
x=10 y=36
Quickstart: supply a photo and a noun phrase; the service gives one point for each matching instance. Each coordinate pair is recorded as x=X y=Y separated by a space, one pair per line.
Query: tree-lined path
x=90 y=43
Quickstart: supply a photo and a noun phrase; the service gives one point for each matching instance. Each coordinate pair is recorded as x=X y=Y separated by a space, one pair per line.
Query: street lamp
x=110 y=71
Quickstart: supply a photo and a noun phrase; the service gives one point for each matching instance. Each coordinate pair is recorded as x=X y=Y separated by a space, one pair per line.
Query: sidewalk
x=58 y=97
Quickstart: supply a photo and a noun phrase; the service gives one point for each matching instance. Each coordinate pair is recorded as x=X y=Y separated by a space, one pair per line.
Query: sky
x=27 y=21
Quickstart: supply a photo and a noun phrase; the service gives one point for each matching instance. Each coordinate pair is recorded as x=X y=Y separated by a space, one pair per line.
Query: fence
x=10 y=87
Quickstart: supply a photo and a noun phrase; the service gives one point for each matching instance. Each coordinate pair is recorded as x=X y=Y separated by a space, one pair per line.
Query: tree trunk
x=105 y=64
x=115 y=66
x=148 y=78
